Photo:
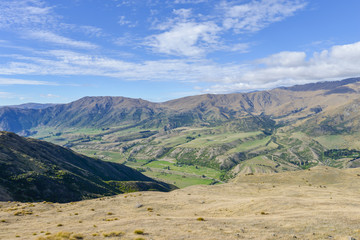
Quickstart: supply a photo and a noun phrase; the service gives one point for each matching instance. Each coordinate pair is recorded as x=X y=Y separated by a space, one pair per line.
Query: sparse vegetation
x=139 y=231
x=62 y=236
x=226 y=206
x=23 y=213
x=113 y=234
x=110 y=219
x=342 y=153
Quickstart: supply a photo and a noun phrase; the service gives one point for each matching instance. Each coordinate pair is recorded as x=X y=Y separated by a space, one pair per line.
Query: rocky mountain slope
x=33 y=170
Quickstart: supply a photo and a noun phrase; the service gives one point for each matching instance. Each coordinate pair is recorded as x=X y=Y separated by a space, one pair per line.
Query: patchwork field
x=188 y=156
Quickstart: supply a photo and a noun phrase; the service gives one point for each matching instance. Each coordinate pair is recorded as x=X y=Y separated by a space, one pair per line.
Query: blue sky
x=61 y=50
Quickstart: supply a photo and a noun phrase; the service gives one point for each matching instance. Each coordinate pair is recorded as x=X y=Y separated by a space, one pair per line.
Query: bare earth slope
x=321 y=203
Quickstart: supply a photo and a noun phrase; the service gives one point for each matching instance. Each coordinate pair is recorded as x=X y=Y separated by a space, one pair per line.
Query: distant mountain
x=34 y=170
x=287 y=104
x=328 y=85
x=31 y=105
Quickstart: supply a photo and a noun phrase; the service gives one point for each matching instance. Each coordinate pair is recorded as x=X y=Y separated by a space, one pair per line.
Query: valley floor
x=321 y=203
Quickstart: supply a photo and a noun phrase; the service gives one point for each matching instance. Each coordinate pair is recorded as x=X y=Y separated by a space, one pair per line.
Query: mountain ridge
x=31 y=105
x=202 y=109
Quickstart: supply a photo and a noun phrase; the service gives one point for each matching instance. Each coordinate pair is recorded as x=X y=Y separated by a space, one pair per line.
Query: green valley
x=206 y=139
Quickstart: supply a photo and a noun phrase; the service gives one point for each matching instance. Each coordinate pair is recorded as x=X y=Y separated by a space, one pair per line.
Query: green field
x=333 y=141
x=178 y=180
x=179 y=175
x=218 y=139
x=194 y=170
x=250 y=145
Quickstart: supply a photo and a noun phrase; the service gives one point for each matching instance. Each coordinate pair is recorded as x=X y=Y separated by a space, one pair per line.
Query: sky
x=61 y=50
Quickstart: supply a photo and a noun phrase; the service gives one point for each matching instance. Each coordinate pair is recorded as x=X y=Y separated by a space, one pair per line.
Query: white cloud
x=183 y=13
x=190 y=34
x=92 y=31
x=49 y=95
x=50 y=37
x=59 y=62
x=186 y=39
x=189 y=1
x=13 y=81
x=280 y=69
x=35 y=19
x=25 y=13
x=289 y=68
x=239 y=48
x=286 y=59
x=123 y=21
x=256 y=15
x=126 y=40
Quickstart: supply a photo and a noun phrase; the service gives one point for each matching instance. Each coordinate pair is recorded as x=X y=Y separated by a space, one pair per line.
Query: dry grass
x=62 y=236
x=248 y=208
x=139 y=232
x=113 y=234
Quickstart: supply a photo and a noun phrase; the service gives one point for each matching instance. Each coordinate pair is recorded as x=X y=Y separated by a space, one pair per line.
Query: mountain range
x=282 y=104
x=283 y=129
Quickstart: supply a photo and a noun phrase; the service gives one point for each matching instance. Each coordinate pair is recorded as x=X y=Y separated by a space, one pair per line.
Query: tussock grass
x=113 y=234
x=23 y=213
x=139 y=232
x=62 y=236
x=110 y=219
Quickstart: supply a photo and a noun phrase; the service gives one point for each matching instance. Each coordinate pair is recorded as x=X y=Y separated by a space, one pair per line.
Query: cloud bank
x=281 y=69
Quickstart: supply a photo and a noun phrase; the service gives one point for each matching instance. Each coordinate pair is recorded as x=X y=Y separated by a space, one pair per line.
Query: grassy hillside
x=320 y=203
x=33 y=170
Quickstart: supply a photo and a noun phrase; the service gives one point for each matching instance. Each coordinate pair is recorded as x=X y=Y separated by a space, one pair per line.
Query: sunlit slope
x=320 y=203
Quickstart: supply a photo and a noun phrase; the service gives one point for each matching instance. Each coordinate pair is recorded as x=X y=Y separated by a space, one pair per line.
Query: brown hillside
x=322 y=203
